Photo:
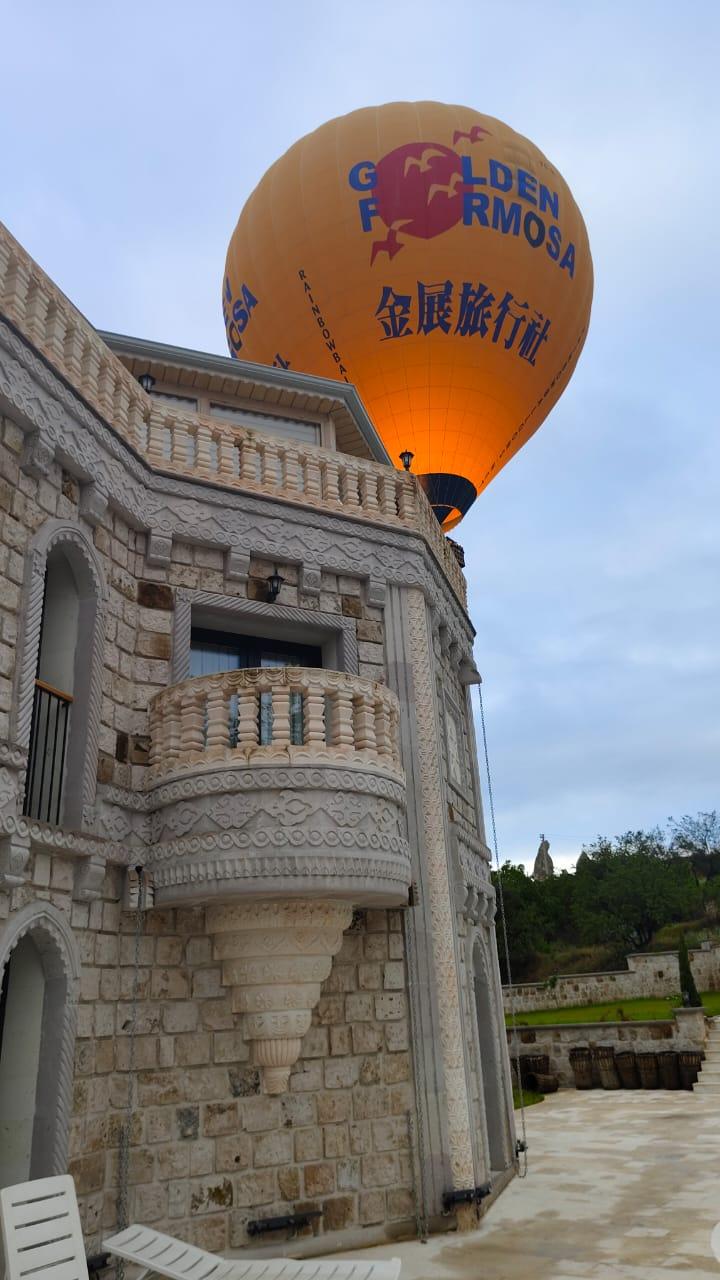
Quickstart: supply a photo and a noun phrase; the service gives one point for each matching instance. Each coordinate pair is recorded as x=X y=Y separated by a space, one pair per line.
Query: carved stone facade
x=306 y=1010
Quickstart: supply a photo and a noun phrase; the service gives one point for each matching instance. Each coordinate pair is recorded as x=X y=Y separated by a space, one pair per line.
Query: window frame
x=332 y=633
x=80 y=780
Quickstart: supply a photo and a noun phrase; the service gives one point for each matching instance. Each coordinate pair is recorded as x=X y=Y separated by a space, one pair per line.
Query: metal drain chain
x=521 y=1161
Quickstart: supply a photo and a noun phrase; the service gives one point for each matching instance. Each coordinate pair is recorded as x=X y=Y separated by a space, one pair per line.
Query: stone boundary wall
x=652 y=974
x=686 y=1030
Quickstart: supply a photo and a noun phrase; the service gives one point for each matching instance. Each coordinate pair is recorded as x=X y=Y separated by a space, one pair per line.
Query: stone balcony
x=278 y=798
x=277 y=782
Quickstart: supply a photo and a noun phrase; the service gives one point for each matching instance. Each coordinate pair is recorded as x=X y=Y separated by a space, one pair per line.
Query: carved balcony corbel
x=38 y=455
x=274 y=957
x=93 y=505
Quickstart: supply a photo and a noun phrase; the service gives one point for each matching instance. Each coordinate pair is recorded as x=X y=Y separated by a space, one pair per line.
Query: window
x=54 y=691
x=295 y=429
x=58 y=706
x=183 y=402
x=456 y=770
x=212 y=652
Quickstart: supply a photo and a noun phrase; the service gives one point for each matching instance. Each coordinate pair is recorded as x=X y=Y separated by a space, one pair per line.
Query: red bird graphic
x=391 y=245
x=475 y=134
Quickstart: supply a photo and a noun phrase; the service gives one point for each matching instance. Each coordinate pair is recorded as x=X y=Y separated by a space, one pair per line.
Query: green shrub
x=687 y=982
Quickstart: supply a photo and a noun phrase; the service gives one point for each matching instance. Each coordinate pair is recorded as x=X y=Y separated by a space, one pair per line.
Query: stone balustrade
x=192 y=444
x=256 y=716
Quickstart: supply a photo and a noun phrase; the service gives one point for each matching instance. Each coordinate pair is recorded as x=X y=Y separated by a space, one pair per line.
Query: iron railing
x=46 y=764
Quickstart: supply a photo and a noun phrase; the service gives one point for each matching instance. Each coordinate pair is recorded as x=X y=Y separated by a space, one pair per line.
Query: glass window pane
x=184 y=402
x=268 y=424
x=265 y=716
x=297 y=719
x=209 y=659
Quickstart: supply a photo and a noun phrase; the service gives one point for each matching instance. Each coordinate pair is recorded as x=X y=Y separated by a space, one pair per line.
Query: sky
x=132 y=135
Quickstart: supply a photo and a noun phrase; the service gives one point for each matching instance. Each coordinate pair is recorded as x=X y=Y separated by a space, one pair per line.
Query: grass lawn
x=624 y=1011
x=529 y=1098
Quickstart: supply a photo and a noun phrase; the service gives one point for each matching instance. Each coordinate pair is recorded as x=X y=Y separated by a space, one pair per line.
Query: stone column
x=443 y=1109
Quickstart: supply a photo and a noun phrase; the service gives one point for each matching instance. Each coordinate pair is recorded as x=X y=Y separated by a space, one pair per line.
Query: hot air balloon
x=434 y=258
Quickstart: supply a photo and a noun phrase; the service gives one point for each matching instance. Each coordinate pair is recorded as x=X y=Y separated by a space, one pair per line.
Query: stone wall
x=209 y=1152
x=653 y=974
x=686 y=1030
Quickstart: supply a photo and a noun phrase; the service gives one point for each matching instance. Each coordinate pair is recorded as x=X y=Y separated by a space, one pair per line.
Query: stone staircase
x=708 y=1081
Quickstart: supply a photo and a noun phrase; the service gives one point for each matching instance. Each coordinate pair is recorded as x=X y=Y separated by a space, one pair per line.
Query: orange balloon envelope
x=434 y=258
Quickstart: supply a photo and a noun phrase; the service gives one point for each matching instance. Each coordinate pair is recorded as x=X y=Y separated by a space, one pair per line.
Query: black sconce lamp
x=274 y=583
x=406 y=458
x=147 y=382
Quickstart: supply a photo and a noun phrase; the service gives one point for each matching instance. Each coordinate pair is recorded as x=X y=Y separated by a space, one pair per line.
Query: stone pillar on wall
x=440 y=1073
x=692 y=1026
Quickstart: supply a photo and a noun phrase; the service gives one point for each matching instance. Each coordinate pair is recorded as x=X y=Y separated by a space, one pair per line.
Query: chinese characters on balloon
x=478 y=313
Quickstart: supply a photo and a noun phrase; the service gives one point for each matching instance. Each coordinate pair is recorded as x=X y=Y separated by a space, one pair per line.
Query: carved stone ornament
x=274 y=956
x=14 y=858
x=256 y=831
x=222 y=518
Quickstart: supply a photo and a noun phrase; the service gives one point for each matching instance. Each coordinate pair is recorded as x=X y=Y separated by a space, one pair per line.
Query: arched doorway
x=21 y=1018
x=59 y=697
x=39 y=976
x=491 y=1065
x=54 y=691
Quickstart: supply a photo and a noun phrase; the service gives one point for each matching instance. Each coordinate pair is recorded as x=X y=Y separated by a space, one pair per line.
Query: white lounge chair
x=43 y=1240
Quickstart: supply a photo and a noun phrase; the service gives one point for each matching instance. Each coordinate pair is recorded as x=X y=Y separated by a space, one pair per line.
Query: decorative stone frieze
x=222 y=518
x=274 y=956
x=207 y=448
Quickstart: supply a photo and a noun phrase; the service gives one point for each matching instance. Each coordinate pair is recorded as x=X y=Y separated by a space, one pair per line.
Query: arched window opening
x=53 y=791
x=21 y=1022
x=491 y=1067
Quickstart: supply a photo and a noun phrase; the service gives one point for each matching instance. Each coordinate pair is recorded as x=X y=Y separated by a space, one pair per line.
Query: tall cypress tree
x=687 y=982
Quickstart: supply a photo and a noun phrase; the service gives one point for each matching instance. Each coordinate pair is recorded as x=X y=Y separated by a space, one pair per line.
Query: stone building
x=246 y=919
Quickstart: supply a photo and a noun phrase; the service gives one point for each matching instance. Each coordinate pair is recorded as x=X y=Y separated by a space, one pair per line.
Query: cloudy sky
x=131 y=136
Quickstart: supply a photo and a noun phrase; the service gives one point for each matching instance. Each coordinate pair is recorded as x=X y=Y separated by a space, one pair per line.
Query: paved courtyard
x=622 y=1185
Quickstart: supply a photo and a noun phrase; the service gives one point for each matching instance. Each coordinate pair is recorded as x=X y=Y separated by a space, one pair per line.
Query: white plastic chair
x=180 y=1261
x=41 y=1231
x=43 y=1240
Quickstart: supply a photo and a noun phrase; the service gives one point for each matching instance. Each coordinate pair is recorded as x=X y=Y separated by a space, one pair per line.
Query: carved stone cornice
x=170 y=508
x=280 y=831
x=57 y=840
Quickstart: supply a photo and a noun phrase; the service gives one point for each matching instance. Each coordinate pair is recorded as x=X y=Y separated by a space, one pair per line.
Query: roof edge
x=286 y=379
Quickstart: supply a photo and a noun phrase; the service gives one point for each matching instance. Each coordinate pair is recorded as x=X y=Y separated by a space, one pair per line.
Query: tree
x=524 y=925
x=698 y=839
x=631 y=886
x=687 y=982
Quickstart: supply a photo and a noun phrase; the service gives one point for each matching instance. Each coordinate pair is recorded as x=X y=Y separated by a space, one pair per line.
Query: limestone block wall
x=686 y=1030
x=139 y=609
x=209 y=1152
x=651 y=974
